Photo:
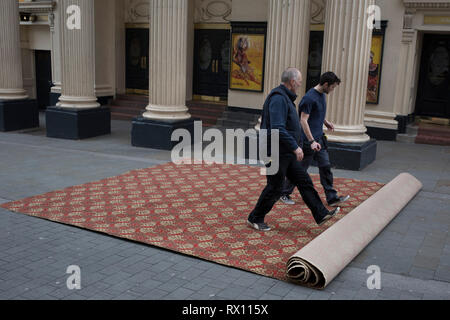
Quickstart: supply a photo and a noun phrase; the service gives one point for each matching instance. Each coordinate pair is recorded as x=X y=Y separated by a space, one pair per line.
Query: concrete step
x=125 y=110
x=233 y=115
x=205 y=112
x=129 y=104
x=235 y=124
x=434 y=130
x=406 y=138
x=122 y=116
x=412 y=129
x=132 y=97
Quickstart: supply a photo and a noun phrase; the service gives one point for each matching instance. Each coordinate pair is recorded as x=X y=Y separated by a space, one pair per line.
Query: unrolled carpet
x=198 y=210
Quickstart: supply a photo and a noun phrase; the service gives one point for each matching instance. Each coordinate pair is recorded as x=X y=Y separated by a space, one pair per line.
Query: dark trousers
x=292 y=169
x=326 y=176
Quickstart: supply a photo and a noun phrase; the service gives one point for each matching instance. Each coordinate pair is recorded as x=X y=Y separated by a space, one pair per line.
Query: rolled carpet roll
x=319 y=262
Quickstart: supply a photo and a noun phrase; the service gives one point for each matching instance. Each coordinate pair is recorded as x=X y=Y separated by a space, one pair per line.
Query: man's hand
x=329 y=125
x=299 y=154
x=316 y=146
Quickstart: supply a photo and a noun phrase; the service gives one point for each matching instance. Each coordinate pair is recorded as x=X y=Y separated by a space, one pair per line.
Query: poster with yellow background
x=373 y=86
x=247 y=62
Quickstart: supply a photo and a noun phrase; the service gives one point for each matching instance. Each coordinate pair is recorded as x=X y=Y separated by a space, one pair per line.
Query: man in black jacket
x=279 y=113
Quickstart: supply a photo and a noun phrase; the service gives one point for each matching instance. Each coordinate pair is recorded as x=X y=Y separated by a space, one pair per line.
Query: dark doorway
x=433 y=93
x=211 y=62
x=314 y=59
x=137 y=55
x=43 y=65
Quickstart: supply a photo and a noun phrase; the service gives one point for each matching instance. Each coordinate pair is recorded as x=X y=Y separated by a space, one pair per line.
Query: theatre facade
x=74 y=58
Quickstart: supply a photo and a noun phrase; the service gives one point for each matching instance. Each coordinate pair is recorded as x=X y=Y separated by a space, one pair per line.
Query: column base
x=352 y=156
x=18 y=115
x=75 y=124
x=382 y=133
x=157 y=134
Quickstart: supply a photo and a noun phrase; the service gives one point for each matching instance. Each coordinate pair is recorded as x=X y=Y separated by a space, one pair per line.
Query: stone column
x=347 y=45
x=77 y=115
x=168 y=41
x=17 y=112
x=78 y=56
x=55 y=33
x=404 y=97
x=167 y=109
x=11 y=81
x=287 y=40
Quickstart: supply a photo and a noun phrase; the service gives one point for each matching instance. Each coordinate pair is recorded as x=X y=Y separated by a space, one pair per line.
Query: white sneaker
x=287 y=200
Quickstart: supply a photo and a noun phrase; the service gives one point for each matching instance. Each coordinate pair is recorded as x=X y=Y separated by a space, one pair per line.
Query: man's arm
x=278 y=117
x=307 y=130
x=329 y=125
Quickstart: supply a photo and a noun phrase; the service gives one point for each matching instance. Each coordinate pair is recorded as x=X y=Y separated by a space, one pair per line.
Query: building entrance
x=137 y=56
x=43 y=65
x=433 y=94
x=211 y=63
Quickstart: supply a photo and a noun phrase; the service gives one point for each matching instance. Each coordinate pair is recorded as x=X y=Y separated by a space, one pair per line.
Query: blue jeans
x=323 y=161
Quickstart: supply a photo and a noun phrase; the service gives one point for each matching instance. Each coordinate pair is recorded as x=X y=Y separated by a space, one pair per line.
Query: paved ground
x=413 y=252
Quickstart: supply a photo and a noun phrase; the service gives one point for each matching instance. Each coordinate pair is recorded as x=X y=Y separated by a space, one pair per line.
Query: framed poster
x=375 y=64
x=248 y=45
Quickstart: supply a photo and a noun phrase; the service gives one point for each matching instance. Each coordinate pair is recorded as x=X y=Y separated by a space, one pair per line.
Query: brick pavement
x=413 y=252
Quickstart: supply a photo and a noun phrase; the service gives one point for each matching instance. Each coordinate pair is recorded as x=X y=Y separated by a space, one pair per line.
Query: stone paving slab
x=413 y=251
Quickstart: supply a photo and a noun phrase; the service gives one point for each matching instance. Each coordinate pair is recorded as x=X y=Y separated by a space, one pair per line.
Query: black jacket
x=279 y=112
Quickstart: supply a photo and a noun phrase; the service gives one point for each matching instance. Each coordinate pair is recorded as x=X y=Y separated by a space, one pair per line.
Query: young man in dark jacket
x=279 y=113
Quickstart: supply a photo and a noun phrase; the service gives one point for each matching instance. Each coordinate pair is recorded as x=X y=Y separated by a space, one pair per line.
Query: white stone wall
x=383 y=114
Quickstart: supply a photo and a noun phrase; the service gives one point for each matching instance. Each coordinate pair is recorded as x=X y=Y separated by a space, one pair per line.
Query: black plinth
x=382 y=133
x=157 y=134
x=403 y=122
x=75 y=124
x=54 y=98
x=18 y=114
x=352 y=156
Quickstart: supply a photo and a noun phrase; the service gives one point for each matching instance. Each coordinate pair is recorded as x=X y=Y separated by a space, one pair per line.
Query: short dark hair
x=330 y=78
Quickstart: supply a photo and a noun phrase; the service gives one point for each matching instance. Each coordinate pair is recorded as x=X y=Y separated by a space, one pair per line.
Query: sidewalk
x=413 y=252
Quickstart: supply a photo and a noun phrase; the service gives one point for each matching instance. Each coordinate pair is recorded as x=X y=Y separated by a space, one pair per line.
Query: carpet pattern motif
x=198 y=210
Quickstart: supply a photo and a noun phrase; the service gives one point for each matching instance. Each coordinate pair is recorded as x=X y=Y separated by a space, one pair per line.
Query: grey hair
x=289 y=74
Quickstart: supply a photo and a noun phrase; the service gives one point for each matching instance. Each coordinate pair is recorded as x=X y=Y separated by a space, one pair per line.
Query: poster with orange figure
x=247 y=57
x=375 y=64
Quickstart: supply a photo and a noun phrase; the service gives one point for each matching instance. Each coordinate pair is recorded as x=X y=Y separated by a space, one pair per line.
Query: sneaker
x=337 y=201
x=330 y=215
x=259 y=226
x=287 y=200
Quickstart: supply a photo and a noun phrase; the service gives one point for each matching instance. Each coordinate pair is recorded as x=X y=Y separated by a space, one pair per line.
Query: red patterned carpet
x=198 y=210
